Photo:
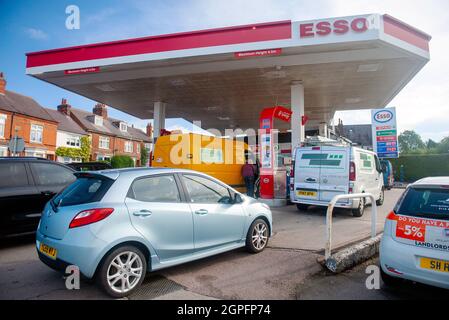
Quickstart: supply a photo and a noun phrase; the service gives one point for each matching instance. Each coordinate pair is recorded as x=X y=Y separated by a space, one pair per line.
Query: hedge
x=421 y=166
x=122 y=161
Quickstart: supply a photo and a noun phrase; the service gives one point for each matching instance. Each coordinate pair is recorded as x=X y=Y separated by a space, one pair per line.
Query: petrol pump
x=273 y=175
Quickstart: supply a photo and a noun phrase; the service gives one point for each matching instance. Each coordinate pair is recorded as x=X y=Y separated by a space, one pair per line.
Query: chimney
x=64 y=107
x=101 y=110
x=149 y=130
x=2 y=84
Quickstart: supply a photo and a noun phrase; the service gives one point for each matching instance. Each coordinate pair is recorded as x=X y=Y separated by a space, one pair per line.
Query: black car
x=89 y=166
x=26 y=184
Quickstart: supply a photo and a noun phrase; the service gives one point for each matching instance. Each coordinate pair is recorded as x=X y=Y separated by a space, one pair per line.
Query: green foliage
x=83 y=152
x=85 y=148
x=143 y=155
x=419 y=166
x=409 y=141
x=430 y=144
x=122 y=161
x=443 y=146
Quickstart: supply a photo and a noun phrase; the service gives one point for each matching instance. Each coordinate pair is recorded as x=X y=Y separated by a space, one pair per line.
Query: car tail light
x=90 y=216
x=392 y=216
x=292 y=171
x=352 y=171
x=350 y=190
x=316 y=148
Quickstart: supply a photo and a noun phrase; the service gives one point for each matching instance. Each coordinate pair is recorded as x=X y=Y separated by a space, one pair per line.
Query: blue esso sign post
x=385 y=135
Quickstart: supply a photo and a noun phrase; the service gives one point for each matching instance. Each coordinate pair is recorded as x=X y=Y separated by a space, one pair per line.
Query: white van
x=322 y=172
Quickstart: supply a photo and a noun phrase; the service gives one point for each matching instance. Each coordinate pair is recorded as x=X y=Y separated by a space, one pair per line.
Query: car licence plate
x=306 y=193
x=48 y=251
x=434 y=264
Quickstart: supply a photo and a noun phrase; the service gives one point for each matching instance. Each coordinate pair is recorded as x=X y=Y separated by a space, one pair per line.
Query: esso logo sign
x=324 y=28
x=383 y=116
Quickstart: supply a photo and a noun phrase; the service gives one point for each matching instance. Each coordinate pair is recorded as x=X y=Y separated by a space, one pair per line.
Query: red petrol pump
x=272 y=176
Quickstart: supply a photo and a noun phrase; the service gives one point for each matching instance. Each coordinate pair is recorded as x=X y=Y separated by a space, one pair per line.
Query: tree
x=430 y=144
x=409 y=140
x=122 y=161
x=143 y=155
x=443 y=146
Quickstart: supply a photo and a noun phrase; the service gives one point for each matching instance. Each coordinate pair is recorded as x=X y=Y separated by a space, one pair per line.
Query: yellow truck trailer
x=219 y=157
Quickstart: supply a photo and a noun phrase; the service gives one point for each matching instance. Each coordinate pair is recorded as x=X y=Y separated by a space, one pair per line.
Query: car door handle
x=311 y=180
x=142 y=213
x=202 y=212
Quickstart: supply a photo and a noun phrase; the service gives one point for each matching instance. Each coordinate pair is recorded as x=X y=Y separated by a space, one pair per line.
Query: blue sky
x=28 y=26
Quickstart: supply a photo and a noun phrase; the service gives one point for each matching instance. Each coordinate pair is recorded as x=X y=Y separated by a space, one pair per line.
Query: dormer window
x=123 y=127
x=98 y=120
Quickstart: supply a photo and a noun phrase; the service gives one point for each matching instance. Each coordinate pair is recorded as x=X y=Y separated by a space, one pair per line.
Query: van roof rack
x=323 y=141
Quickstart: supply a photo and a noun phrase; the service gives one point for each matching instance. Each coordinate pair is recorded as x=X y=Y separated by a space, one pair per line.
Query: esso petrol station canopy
x=225 y=77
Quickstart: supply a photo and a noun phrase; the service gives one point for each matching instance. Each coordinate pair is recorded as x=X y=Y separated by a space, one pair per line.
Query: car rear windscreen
x=425 y=202
x=83 y=190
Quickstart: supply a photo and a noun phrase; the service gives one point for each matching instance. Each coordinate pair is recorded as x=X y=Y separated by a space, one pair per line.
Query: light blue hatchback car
x=116 y=225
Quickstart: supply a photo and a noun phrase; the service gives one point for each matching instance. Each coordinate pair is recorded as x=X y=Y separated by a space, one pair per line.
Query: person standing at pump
x=249 y=173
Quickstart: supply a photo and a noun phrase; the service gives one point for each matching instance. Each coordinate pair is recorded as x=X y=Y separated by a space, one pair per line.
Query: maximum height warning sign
x=385 y=135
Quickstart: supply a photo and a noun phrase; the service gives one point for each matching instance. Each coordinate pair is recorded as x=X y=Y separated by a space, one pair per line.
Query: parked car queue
x=415 y=243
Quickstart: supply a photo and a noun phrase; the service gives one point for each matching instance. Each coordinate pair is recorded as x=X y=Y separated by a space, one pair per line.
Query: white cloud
x=36 y=34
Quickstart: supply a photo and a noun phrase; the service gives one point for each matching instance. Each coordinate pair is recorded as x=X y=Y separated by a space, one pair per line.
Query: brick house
x=22 y=116
x=69 y=133
x=109 y=136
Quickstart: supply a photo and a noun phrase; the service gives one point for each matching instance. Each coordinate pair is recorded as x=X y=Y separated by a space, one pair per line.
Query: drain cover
x=155 y=286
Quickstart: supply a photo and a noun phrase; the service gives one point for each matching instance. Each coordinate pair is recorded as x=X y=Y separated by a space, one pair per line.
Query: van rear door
x=334 y=172
x=307 y=173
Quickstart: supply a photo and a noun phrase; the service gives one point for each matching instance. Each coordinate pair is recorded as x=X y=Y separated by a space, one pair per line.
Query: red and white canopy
x=225 y=76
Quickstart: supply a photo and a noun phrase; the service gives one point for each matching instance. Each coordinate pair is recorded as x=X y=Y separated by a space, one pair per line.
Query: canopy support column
x=297 y=108
x=159 y=118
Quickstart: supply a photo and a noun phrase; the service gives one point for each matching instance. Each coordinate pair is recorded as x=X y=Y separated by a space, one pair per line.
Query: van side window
x=13 y=175
x=155 y=189
x=366 y=161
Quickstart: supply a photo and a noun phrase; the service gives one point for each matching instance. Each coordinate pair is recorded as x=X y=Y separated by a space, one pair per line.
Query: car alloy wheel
x=259 y=236
x=124 y=272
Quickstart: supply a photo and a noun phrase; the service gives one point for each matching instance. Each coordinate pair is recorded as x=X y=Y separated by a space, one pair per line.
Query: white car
x=322 y=172
x=415 y=243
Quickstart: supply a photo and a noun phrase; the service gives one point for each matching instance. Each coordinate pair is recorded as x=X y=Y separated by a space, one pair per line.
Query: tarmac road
x=350 y=285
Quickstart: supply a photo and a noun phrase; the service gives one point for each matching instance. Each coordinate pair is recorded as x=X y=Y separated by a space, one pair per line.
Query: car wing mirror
x=237 y=198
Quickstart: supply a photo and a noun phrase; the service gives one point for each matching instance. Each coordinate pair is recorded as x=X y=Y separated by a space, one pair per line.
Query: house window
x=138 y=147
x=73 y=141
x=98 y=121
x=128 y=146
x=123 y=127
x=2 y=125
x=36 y=133
x=3 y=151
x=103 y=158
x=104 y=143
